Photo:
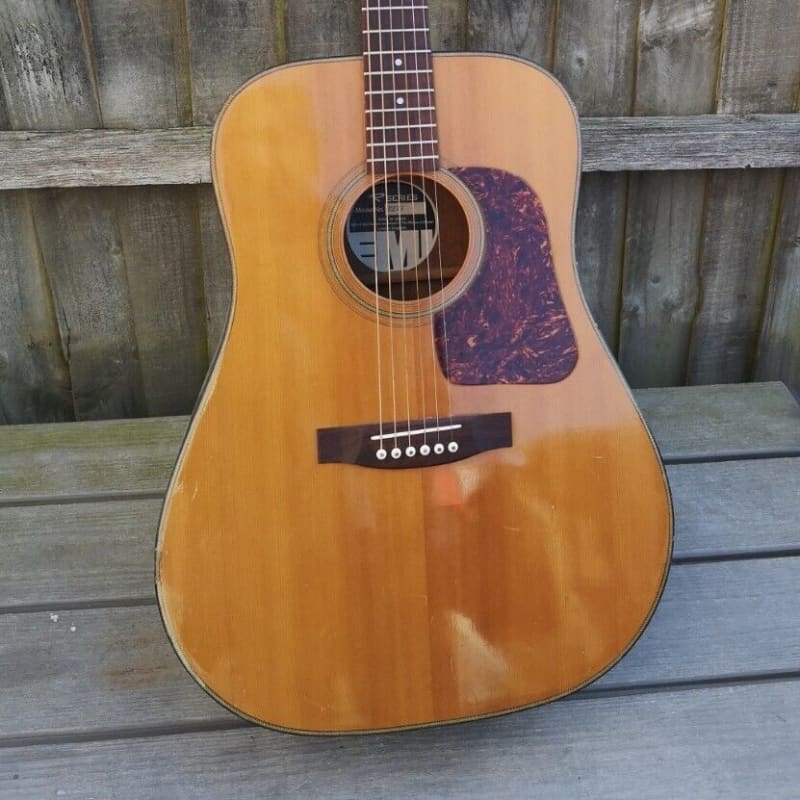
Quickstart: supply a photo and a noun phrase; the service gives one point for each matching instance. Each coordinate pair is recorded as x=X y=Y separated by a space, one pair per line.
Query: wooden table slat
x=713 y=743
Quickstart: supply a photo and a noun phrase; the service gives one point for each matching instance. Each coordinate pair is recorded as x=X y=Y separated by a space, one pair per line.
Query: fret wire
x=397 y=48
x=399 y=90
x=404 y=144
x=405 y=72
x=393 y=128
x=421 y=159
x=381 y=31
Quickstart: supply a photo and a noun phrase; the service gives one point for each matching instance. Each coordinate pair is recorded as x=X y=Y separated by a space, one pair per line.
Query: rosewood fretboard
x=400 y=106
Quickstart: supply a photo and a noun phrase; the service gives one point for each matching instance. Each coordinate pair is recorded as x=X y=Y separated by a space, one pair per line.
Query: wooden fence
x=113 y=268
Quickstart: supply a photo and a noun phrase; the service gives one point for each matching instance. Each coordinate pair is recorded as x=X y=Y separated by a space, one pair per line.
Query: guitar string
x=421 y=134
x=381 y=54
x=396 y=110
x=416 y=250
x=368 y=118
x=443 y=312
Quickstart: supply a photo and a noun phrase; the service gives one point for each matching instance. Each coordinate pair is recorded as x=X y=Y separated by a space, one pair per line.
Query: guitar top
x=416 y=488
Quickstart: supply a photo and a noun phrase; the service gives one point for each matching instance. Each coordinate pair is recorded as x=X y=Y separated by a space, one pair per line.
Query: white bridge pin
x=438 y=448
x=381 y=455
x=453 y=447
x=411 y=451
x=425 y=450
x=396 y=453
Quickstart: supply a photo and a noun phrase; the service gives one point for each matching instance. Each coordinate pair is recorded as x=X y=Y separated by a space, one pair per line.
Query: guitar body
x=316 y=594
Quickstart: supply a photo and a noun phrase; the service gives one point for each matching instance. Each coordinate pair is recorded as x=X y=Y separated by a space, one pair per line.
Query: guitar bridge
x=414 y=443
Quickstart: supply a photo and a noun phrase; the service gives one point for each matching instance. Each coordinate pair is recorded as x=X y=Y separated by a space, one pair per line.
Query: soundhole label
x=392 y=227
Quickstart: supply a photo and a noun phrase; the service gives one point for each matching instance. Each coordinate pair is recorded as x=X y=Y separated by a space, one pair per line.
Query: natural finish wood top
x=703 y=706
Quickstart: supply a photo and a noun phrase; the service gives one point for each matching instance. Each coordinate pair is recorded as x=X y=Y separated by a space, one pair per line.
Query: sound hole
x=409 y=235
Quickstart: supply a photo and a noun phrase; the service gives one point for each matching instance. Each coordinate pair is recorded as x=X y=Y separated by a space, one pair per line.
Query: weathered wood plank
x=34 y=378
x=96 y=552
x=82 y=248
x=48 y=83
x=741 y=210
x=678 y=52
x=643 y=747
x=661 y=291
x=758 y=74
x=30 y=159
x=322 y=30
x=701 y=422
x=715 y=620
x=228 y=43
x=736 y=508
x=779 y=344
x=160 y=233
x=44 y=72
x=594 y=50
x=41 y=461
x=78 y=553
x=448 y=20
x=50 y=461
x=141 y=67
x=518 y=27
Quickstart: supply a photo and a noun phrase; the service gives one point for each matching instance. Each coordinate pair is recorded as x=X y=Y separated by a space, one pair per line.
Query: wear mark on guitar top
x=511 y=325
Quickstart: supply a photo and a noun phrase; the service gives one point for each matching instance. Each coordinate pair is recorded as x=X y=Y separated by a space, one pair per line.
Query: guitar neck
x=400 y=102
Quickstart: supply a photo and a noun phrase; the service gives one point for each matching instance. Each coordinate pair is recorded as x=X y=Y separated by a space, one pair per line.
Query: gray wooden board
x=701 y=422
x=86 y=266
x=739 y=228
x=96 y=552
x=676 y=68
x=716 y=620
x=713 y=743
x=160 y=234
x=159 y=228
x=758 y=73
x=519 y=27
x=448 y=19
x=594 y=52
x=660 y=287
x=30 y=159
x=48 y=83
x=78 y=552
x=90 y=459
x=319 y=30
x=34 y=378
x=779 y=343
x=40 y=461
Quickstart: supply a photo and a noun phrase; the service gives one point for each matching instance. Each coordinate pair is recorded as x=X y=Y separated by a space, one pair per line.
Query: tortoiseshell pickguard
x=510 y=326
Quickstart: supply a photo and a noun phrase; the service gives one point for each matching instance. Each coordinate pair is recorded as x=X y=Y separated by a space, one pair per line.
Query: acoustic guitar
x=416 y=488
